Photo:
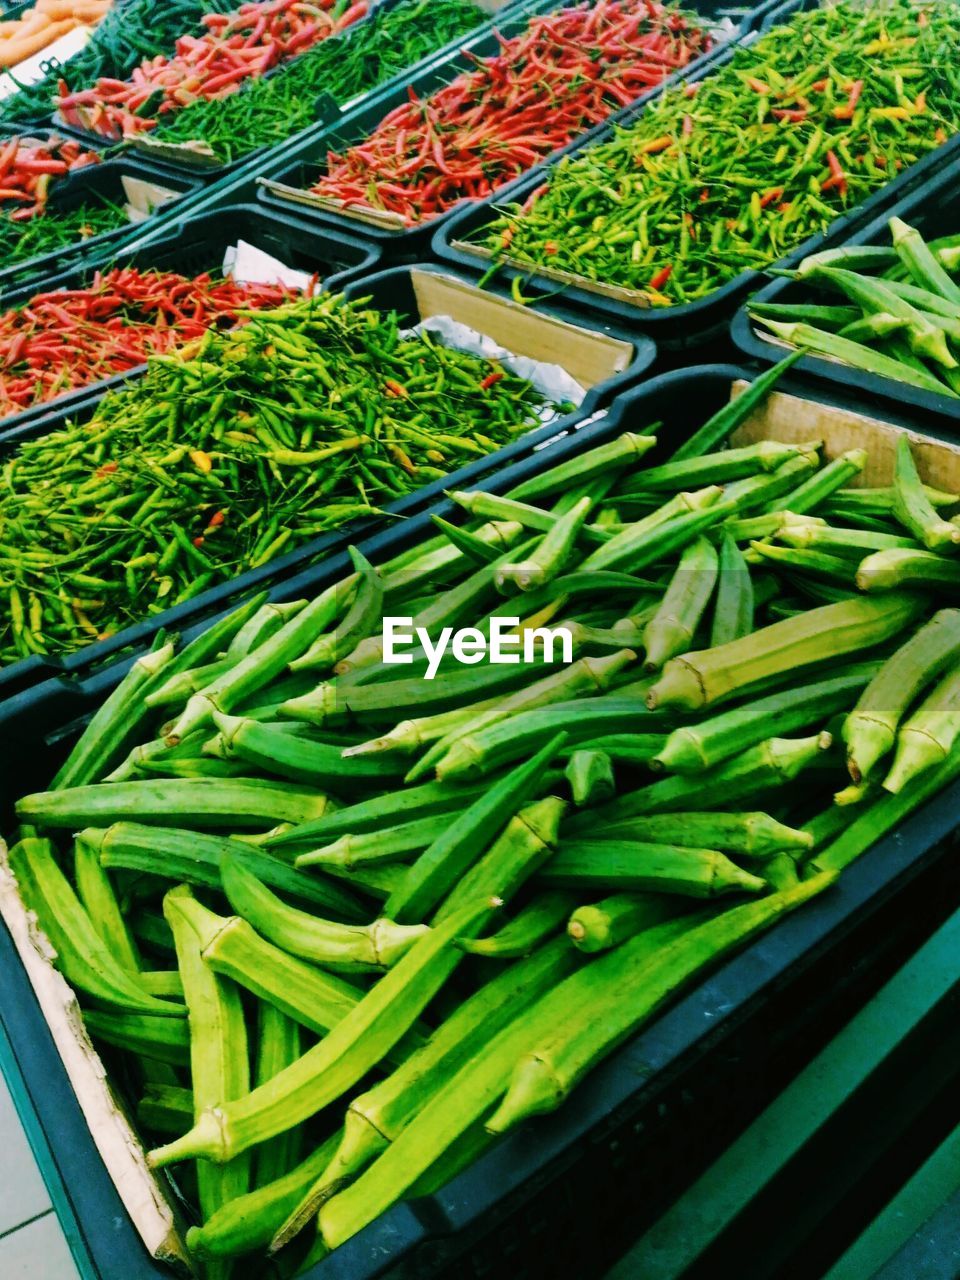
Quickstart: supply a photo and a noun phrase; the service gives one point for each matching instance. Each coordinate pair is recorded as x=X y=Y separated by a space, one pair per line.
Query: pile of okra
x=337 y=927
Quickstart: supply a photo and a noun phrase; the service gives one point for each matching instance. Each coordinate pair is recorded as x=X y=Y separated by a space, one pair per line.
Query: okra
x=265 y=622
x=710 y=468
x=525 y=844
x=745 y=835
x=409 y=735
x=818 y=564
x=733 y=609
x=767 y=765
x=927 y=738
x=590 y=776
x=476 y=549
x=439 y=868
x=81 y=955
x=841 y=541
x=96 y=894
x=481 y=753
x=278 y=1045
x=626 y=995
x=496 y=507
x=231 y=948
x=165 y=1108
x=343 y=948
x=587 y=676
x=249 y=1222
x=144 y=1034
x=890 y=570
x=382 y=812
x=871 y=728
x=874 y=297
x=177 y=688
x=718 y=429
x=378 y=1117
x=549 y=556
x=914 y=509
x=877 y=819
x=633 y=865
x=377 y=846
x=644 y=544
x=219 y=1064
x=265 y=663
x=194 y=858
x=822 y=484
x=692 y=748
x=353 y=1047
x=202 y=802
x=613 y=920
x=359 y=622
x=698 y=680
x=531 y=926
x=300 y=758
x=672 y=628
x=608 y=458
x=921 y=262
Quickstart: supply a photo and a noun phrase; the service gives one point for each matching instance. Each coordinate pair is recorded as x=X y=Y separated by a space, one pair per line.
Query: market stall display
x=30 y=166
x=194 y=754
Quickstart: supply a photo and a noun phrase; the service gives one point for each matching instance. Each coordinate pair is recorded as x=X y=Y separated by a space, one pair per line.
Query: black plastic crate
x=566 y=1195
x=688 y=325
x=932 y=208
x=398 y=290
x=193 y=246
x=284 y=177
x=93 y=184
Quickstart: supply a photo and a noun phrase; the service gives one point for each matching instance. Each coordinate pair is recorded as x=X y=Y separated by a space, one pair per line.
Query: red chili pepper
x=791 y=115
x=395 y=389
x=837 y=177
x=768 y=197
x=490 y=380
x=662 y=276
x=845 y=112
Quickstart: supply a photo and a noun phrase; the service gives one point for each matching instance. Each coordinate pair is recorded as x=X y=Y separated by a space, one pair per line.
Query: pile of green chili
x=229 y=453
x=733 y=173
x=132 y=31
x=270 y=110
x=55 y=229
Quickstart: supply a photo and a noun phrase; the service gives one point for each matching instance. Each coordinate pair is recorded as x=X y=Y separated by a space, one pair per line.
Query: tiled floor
x=32 y=1245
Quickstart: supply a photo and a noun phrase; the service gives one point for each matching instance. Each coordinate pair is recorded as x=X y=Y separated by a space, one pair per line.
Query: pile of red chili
x=29 y=166
x=234 y=48
x=70 y=338
x=566 y=72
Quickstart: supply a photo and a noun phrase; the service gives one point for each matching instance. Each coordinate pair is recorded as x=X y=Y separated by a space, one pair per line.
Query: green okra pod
x=209 y=802
x=921 y=262
x=376 y=1024
x=817 y=488
x=870 y=730
x=893 y=569
x=278 y=1045
x=195 y=858
x=525 y=844
x=377 y=846
x=633 y=865
x=300 y=758
x=219 y=1063
x=249 y=1222
x=744 y=835
x=530 y=928
x=626 y=450
x=177 y=688
x=671 y=630
x=166 y=1109
x=697 y=680
x=549 y=556
x=718 y=429
x=265 y=622
x=734 y=605
x=927 y=738
x=818 y=564
x=590 y=776
x=340 y=947
x=544 y=1076
x=613 y=920
x=710 y=468
x=358 y=624
x=769 y=764
x=81 y=955
x=164 y=1040
x=97 y=895
x=913 y=508
x=439 y=868
x=378 y=1117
